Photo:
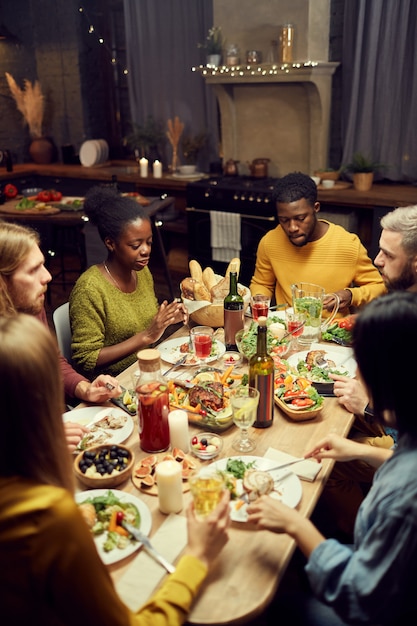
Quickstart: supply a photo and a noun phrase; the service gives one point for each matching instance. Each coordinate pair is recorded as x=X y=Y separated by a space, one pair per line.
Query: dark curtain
x=162 y=39
x=379 y=68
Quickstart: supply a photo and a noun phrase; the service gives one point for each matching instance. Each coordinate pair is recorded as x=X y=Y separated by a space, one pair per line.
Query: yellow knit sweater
x=336 y=261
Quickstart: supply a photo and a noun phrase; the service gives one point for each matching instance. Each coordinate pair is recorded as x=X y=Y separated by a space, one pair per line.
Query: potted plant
x=191 y=146
x=145 y=138
x=213 y=46
x=30 y=101
x=363 y=169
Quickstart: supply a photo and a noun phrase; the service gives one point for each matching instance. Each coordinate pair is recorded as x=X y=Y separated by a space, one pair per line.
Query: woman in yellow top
x=50 y=571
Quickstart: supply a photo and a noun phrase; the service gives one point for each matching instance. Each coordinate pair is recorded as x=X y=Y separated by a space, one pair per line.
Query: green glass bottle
x=261 y=376
x=233 y=307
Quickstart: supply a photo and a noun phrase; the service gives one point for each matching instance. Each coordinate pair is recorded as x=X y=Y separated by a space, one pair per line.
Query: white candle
x=178 y=430
x=169 y=482
x=157 y=169
x=143 y=167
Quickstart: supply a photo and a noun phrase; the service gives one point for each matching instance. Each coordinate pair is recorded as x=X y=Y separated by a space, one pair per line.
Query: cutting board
x=10 y=208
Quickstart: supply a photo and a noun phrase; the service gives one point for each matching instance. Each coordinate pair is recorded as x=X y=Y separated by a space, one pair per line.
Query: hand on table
x=350 y=393
x=268 y=513
x=336 y=447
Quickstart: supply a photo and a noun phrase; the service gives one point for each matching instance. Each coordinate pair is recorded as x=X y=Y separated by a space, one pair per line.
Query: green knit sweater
x=101 y=315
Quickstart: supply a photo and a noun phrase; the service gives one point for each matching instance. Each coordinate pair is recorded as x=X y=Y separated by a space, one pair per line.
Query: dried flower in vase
x=30 y=102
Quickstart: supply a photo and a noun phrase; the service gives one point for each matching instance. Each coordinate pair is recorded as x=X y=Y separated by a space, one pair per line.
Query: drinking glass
x=295 y=320
x=260 y=306
x=202 y=340
x=244 y=402
x=207 y=486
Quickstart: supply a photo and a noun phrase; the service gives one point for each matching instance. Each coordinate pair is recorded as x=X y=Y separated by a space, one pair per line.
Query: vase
x=42 y=150
x=362 y=181
x=213 y=60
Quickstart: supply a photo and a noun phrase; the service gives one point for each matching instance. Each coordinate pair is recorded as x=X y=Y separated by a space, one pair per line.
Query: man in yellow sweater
x=304 y=248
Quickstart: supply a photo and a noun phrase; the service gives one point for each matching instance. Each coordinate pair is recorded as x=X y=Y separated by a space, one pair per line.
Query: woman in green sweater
x=113 y=308
x=50 y=571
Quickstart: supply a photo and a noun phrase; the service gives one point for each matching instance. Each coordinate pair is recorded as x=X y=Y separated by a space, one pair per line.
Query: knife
x=176 y=364
x=139 y=536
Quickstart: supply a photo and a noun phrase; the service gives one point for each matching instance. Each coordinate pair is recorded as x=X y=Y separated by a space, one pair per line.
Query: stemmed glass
x=244 y=402
x=202 y=340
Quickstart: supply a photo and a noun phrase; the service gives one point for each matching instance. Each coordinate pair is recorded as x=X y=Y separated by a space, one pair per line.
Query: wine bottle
x=233 y=307
x=261 y=376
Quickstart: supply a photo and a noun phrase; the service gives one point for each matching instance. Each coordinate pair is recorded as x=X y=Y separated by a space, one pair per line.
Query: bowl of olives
x=104 y=466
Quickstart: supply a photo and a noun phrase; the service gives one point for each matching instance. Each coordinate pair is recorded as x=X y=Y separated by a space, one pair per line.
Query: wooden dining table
x=247 y=573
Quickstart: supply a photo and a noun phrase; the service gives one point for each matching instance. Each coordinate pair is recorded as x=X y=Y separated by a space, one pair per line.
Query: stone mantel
x=281 y=112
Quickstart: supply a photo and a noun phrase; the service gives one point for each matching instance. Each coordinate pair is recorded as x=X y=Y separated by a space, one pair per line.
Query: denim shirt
x=373 y=581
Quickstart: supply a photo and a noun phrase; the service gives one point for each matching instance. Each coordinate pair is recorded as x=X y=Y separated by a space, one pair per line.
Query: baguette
x=234 y=264
x=209 y=278
x=196 y=270
x=220 y=289
x=201 y=292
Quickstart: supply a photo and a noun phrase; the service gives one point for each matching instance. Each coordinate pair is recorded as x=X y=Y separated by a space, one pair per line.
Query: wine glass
x=244 y=402
x=202 y=340
x=260 y=306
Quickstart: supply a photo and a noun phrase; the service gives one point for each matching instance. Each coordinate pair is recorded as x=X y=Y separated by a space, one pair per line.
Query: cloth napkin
x=145 y=574
x=306 y=470
x=225 y=235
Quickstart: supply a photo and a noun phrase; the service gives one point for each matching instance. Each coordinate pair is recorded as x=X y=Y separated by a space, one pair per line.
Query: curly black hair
x=293 y=187
x=111 y=212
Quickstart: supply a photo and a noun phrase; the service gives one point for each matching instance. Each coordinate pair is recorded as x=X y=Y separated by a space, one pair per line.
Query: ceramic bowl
x=231 y=358
x=186 y=170
x=206 y=446
x=327 y=184
x=120 y=456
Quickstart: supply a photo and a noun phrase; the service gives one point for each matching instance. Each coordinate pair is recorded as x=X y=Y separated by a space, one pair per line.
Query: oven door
x=252 y=229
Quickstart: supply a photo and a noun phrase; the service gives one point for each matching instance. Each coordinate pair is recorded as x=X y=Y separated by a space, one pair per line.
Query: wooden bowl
x=105 y=481
x=300 y=415
x=213 y=314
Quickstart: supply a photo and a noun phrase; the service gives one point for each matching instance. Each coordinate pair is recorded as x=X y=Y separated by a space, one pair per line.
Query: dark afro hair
x=111 y=212
x=293 y=187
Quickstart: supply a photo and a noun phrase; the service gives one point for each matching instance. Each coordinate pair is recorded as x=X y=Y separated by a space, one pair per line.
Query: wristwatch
x=368 y=413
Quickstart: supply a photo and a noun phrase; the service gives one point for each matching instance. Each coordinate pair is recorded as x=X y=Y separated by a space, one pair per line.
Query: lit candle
x=169 y=482
x=178 y=430
x=157 y=169
x=143 y=167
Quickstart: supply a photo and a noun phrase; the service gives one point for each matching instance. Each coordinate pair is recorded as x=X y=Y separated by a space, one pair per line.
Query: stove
x=248 y=196
x=236 y=194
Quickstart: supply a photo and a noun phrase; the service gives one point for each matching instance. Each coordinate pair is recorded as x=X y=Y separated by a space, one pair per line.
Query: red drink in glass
x=293 y=325
x=202 y=346
x=153 y=408
x=259 y=309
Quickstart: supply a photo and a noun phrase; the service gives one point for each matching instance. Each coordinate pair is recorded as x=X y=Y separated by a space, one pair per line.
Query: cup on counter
x=207 y=486
x=327 y=183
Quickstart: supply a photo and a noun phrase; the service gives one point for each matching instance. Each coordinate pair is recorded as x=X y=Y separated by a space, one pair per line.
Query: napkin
x=306 y=470
x=225 y=235
x=145 y=574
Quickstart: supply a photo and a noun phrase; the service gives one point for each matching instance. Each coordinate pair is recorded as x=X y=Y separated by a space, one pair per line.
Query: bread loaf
x=201 y=292
x=209 y=278
x=234 y=264
x=196 y=270
x=220 y=289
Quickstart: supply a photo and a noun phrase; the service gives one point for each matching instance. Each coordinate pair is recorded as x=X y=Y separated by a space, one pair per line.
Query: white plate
x=170 y=351
x=91 y=414
x=145 y=523
x=289 y=491
x=343 y=358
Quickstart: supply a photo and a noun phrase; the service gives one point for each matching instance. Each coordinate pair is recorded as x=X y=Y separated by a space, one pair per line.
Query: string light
x=252 y=70
x=100 y=40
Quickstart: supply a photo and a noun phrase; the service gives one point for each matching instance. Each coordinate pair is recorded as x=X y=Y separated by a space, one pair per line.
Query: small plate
x=89 y=415
x=189 y=176
x=289 y=491
x=145 y=524
x=171 y=353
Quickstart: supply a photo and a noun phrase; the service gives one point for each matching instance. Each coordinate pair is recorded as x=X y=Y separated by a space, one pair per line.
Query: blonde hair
x=15 y=244
x=32 y=442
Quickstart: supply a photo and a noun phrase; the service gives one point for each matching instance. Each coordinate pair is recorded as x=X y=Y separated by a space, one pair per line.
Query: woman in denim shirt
x=373 y=580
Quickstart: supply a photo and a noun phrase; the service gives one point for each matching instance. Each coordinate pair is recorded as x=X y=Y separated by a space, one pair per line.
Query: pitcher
x=308 y=299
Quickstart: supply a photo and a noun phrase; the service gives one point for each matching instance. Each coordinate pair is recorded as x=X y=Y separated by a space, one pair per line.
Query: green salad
x=275 y=346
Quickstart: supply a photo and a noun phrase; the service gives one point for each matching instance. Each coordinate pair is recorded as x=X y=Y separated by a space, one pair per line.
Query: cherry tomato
x=119 y=517
x=10 y=191
x=44 y=196
x=303 y=402
x=194 y=441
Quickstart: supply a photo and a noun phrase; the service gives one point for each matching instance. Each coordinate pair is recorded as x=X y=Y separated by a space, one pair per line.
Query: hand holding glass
x=207 y=486
x=202 y=340
x=244 y=402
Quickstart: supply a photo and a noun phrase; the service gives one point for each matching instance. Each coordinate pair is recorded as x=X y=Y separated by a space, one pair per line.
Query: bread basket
x=211 y=314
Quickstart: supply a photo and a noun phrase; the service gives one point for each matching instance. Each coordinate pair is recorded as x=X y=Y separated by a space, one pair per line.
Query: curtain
x=162 y=39
x=379 y=93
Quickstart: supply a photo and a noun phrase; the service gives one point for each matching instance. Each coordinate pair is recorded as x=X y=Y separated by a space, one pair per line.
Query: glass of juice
x=295 y=325
x=153 y=409
x=202 y=340
x=260 y=306
x=207 y=486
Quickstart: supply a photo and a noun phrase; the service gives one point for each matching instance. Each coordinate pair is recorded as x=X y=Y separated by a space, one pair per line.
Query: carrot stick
x=114 y=527
x=226 y=374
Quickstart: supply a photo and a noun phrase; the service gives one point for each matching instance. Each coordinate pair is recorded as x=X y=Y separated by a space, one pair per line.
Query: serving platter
x=145 y=523
x=289 y=490
x=69 y=203
x=171 y=353
x=10 y=208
